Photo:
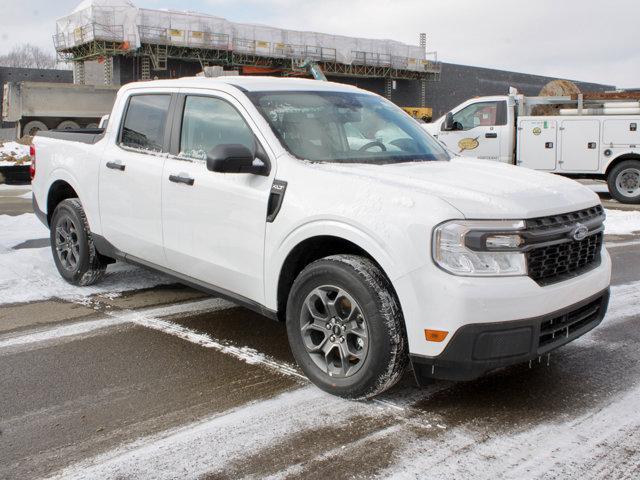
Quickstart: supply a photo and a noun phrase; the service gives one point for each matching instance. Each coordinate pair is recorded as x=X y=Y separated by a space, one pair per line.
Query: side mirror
x=236 y=158
x=447 y=125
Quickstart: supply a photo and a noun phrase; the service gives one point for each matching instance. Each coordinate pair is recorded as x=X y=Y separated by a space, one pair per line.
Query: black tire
x=32 y=127
x=386 y=355
x=632 y=169
x=87 y=268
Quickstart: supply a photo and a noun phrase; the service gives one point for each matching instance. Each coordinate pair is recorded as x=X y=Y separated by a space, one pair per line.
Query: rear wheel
x=345 y=327
x=33 y=127
x=67 y=125
x=624 y=181
x=73 y=250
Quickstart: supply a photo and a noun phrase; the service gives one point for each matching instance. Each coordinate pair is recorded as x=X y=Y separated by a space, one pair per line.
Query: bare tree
x=28 y=56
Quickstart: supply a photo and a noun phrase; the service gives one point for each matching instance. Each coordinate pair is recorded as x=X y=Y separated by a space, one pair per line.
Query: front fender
x=619 y=154
x=375 y=247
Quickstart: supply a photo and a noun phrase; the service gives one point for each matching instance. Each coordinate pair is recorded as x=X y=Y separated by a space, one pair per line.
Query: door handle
x=116 y=166
x=548 y=145
x=591 y=145
x=491 y=135
x=180 y=179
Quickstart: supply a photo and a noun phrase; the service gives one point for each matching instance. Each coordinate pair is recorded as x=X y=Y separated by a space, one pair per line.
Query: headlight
x=475 y=247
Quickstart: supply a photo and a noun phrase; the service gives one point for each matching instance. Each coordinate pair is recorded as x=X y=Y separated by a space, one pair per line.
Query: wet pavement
x=168 y=383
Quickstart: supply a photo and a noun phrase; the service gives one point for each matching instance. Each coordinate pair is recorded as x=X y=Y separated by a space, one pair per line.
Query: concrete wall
x=461 y=82
x=457 y=84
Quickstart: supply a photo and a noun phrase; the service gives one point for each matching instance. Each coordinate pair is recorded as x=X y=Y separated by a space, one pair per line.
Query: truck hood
x=480 y=188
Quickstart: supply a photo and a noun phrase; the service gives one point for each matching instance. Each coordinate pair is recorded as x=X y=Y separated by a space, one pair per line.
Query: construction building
x=127 y=44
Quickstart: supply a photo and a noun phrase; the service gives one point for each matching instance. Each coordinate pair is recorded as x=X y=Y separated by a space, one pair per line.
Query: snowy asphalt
x=143 y=378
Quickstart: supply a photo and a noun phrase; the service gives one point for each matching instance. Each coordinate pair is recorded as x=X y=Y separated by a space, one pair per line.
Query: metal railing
x=220 y=41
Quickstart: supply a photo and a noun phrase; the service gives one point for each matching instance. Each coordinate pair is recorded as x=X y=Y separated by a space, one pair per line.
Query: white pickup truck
x=329 y=208
x=598 y=139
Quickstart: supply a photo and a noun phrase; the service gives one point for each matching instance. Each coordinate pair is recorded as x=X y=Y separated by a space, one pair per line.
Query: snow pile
x=598 y=187
x=14 y=153
x=29 y=274
x=620 y=222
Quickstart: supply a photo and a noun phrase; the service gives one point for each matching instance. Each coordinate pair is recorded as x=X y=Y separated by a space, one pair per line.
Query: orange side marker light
x=435 y=335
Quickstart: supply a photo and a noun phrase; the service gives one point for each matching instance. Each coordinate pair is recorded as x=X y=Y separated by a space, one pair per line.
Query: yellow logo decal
x=468 y=144
x=537 y=131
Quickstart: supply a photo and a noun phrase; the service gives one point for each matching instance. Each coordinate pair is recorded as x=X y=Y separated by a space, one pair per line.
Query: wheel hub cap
x=67 y=244
x=334 y=331
x=628 y=182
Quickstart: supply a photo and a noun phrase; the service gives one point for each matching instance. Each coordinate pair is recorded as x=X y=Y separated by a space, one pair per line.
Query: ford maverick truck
x=329 y=208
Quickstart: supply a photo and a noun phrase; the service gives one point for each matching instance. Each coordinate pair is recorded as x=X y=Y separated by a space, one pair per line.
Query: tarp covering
x=120 y=20
x=110 y=20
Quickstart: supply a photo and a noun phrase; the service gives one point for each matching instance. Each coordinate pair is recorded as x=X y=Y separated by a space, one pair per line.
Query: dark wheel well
x=309 y=251
x=621 y=158
x=59 y=191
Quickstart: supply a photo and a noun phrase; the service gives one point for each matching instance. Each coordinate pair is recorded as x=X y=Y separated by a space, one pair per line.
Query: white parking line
x=246 y=354
x=210 y=445
x=622 y=244
x=152 y=318
x=116 y=318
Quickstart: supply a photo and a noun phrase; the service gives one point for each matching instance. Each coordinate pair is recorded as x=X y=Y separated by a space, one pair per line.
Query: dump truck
x=40 y=106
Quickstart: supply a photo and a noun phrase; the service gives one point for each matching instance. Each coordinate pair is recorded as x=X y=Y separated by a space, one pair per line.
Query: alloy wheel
x=334 y=331
x=67 y=244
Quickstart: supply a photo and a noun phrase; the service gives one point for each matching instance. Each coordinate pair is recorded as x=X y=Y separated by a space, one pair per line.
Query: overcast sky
x=589 y=40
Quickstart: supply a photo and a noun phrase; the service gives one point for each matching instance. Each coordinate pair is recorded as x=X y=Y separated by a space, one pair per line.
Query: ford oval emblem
x=580 y=232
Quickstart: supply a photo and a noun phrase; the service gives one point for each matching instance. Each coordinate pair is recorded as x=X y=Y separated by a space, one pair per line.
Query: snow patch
x=14 y=153
x=245 y=354
x=208 y=446
x=598 y=187
x=115 y=318
x=620 y=222
x=30 y=274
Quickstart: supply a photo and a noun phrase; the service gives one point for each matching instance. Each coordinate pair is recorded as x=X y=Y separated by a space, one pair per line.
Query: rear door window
x=144 y=123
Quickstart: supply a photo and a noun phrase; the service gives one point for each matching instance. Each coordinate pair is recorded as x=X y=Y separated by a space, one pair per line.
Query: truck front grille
x=558 y=262
x=560 y=256
x=555 y=221
x=561 y=329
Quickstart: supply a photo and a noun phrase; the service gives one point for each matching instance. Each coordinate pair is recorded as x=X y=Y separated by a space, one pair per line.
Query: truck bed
x=82 y=135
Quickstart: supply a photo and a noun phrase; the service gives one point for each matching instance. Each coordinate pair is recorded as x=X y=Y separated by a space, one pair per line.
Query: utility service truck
x=590 y=135
x=329 y=208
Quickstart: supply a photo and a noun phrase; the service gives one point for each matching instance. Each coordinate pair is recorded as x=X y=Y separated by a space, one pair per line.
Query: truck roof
x=251 y=84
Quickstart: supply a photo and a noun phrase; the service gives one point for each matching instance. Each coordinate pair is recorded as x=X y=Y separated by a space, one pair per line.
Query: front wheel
x=624 y=181
x=345 y=327
x=73 y=251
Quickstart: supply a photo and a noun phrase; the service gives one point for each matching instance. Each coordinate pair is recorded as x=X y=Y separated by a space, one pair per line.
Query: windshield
x=345 y=127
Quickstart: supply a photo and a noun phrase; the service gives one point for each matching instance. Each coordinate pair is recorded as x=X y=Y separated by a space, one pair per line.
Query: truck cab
x=481 y=127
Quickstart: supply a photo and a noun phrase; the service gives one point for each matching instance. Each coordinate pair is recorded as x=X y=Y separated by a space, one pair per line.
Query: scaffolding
x=160 y=36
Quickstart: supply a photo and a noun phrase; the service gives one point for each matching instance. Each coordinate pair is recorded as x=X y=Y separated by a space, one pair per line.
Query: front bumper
x=476 y=349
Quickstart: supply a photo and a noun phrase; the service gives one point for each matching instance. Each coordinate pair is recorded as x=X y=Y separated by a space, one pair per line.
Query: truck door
x=214 y=223
x=479 y=129
x=537 y=143
x=579 y=147
x=130 y=179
